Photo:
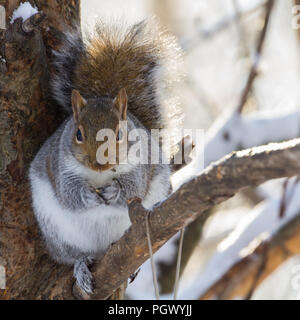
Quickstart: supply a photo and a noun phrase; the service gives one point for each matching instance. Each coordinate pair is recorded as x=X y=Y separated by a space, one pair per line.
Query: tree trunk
x=27 y=118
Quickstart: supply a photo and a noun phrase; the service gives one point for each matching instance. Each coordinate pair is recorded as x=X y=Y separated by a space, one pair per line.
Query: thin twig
x=178 y=264
x=253 y=71
x=259 y=272
x=282 y=208
x=209 y=33
x=285 y=199
x=154 y=275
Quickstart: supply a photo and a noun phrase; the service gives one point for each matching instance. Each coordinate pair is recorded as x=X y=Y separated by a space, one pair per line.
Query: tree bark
x=26 y=120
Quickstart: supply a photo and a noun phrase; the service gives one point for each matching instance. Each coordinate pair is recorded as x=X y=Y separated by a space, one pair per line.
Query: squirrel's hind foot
x=83 y=275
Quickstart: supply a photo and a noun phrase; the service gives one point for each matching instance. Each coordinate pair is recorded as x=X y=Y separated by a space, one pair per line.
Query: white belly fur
x=92 y=230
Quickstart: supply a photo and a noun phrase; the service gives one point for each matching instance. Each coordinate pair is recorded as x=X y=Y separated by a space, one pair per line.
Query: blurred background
x=241 y=86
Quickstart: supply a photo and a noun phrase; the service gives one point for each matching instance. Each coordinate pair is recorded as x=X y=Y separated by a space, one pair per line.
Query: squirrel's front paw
x=111 y=193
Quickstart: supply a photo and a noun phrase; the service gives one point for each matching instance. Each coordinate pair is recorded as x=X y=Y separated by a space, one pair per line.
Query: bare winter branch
x=253 y=71
x=247 y=274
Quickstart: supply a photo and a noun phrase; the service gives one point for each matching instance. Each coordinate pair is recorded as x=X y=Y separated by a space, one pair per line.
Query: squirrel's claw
x=111 y=193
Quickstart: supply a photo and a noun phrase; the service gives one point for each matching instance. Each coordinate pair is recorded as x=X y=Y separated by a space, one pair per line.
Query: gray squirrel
x=117 y=74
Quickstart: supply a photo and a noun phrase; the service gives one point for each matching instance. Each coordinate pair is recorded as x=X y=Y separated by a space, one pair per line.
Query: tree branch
x=216 y=184
x=247 y=274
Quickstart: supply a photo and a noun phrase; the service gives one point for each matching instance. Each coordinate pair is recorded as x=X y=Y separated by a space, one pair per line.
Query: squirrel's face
x=90 y=143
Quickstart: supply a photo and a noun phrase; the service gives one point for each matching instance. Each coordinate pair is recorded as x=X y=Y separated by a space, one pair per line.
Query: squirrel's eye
x=119 y=135
x=79 y=135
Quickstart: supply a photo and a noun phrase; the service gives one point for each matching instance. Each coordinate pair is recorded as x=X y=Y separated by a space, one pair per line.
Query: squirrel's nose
x=95 y=164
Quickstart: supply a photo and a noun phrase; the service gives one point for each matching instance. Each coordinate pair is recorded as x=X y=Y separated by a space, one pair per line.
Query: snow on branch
x=24 y=11
x=233 y=131
x=246 y=275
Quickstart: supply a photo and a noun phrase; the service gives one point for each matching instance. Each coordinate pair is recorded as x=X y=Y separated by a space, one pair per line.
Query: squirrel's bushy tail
x=144 y=59
x=65 y=61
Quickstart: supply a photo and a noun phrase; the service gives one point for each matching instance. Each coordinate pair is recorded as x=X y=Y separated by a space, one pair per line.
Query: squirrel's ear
x=120 y=102
x=78 y=103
